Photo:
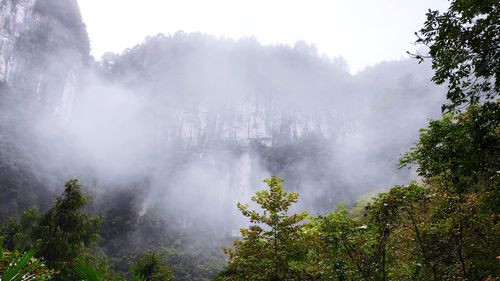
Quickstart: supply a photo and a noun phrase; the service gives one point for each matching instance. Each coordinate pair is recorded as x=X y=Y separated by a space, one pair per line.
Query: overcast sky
x=364 y=32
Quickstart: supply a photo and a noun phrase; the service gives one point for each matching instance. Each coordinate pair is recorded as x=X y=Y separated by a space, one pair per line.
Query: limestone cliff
x=43 y=50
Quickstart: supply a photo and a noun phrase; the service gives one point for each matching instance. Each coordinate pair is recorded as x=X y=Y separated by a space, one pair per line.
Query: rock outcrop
x=44 y=48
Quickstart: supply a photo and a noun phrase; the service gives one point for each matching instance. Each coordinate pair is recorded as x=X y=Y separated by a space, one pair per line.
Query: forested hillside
x=131 y=167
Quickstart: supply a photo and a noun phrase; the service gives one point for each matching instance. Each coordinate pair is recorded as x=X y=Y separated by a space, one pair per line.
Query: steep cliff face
x=43 y=50
x=190 y=109
x=206 y=91
x=14 y=16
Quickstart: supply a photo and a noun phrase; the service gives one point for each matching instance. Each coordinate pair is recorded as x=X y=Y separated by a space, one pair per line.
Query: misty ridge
x=170 y=134
x=190 y=156
x=185 y=110
x=200 y=121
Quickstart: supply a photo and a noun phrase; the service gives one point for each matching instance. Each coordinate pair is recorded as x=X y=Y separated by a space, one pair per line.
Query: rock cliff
x=43 y=50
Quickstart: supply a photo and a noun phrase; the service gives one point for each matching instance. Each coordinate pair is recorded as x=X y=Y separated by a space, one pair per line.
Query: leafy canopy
x=464 y=45
x=62 y=235
x=152 y=268
x=270 y=247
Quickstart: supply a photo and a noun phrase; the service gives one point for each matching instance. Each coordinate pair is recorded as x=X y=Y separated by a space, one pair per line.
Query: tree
x=464 y=45
x=152 y=268
x=394 y=220
x=270 y=247
x=369 y=246
x=65 y=231
x=63 y=234
x=459 y=157
x=345 y=246
x=463 y=152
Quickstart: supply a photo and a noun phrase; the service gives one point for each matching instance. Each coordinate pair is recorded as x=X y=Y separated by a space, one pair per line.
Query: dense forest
x=151 y=202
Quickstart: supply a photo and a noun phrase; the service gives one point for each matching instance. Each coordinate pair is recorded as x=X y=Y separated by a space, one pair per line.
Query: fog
x=190 y=124
x=197 y=122
x=169 y=135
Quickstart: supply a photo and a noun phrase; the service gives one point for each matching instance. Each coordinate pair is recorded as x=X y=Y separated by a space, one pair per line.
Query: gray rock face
x=13 y=17
x=43 y=50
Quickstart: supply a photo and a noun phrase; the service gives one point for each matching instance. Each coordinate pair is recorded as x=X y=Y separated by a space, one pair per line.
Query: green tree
x=368 y=246
x=18 y=234
x=271 y=247
x=464 y=45
x=65 y=231
x=463 y=152
x=394 y=222
x=152 y=268
x=62 y=234
x=459 y=157
x=345 y=246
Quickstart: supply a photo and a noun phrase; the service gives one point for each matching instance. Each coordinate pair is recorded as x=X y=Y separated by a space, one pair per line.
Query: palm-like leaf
x=21 y=266
x=87 y=272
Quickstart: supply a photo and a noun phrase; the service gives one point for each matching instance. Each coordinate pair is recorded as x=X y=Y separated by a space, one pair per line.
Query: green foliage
x=194 y=260
x=447 y=229
x=96 y=259
x=392 y=218
x=22 y=266
x=462 y=152
x=151 y=266
x=65 y=231
x=86 y=272
x=63 y=234
x=354 y=248
x=465 y=50
x=18 y=235
x=343 y=246
x=270 y=247
x=460 y=156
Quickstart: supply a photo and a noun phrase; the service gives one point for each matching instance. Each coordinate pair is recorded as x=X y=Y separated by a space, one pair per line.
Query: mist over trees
x=281 y=105
x=445 y=229
x=168 y=136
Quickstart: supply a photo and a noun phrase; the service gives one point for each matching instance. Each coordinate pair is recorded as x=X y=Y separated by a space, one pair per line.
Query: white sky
x=364 y=32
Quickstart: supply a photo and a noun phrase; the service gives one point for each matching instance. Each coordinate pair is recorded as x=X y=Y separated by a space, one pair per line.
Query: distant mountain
x=277 y=109
x=170 y=134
